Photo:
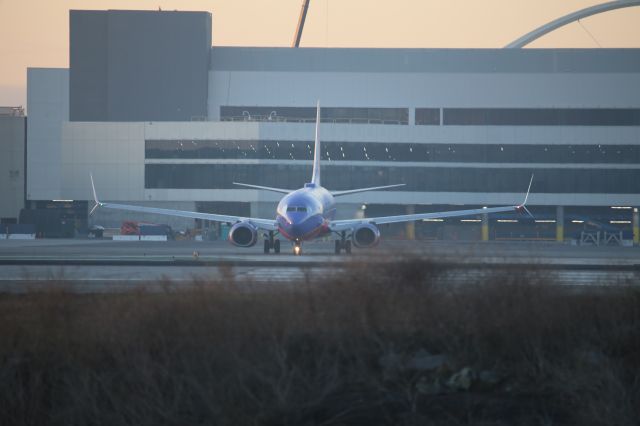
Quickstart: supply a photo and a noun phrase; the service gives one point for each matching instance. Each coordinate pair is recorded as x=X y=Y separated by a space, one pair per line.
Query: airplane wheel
x=338 y=246
x=267 y=246
x=347 y=247
x=276 y=246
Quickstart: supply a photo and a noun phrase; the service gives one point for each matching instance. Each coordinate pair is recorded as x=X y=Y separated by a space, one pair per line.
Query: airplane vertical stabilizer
x=317 y=153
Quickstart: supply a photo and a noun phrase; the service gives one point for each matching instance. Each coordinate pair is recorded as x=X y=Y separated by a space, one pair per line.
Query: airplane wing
x=343 y=225
x=266 y=224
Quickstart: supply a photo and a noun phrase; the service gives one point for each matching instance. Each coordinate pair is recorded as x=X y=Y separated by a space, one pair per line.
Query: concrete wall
x=48 y=106
x=12 y=142
x=240 y=88
x=113 y=153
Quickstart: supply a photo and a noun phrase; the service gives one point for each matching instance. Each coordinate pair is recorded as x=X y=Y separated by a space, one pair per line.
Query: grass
x=338 y=352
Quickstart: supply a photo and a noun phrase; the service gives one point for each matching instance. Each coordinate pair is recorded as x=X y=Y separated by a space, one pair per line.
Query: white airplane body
x=307 y=213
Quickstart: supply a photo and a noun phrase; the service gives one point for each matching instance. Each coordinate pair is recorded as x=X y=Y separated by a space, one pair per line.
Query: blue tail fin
x=315 y=177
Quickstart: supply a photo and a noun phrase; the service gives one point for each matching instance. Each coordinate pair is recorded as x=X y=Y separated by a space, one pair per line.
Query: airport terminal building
x=162 y=118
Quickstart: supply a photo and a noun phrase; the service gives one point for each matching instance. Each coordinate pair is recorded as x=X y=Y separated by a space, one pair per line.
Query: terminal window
x=428 y=116
x=541 y=116
x=427 y=179
x=348 y=115
x=397 y=152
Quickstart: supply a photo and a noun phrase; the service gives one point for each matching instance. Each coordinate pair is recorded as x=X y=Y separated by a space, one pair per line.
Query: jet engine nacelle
x=366 y=235
x=243 y=234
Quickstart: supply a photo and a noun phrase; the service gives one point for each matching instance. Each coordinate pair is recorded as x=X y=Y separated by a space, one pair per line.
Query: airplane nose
x=296 y=221
x=299 y=224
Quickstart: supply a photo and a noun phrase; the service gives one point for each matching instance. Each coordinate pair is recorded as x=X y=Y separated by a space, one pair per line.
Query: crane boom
x=303 y=16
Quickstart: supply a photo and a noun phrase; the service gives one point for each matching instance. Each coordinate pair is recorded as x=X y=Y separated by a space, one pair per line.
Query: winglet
x=526 y=197
x=528 y=189
x=95 y=196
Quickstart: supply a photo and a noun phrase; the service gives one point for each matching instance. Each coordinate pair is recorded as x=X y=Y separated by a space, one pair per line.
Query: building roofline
x=498 y=60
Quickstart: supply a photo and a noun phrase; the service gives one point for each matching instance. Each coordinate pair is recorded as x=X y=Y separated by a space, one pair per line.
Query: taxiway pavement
x=106 y=265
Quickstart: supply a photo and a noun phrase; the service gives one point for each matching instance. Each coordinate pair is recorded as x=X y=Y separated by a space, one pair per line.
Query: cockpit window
x=296 y=209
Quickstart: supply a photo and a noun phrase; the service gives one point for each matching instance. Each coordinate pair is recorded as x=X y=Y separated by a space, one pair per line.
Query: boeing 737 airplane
x=307 y=213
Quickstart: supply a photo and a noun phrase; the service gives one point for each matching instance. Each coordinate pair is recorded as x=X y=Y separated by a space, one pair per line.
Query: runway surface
x=106 y=265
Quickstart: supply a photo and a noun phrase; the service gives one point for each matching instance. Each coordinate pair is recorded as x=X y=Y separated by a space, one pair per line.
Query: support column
x=254 y=207
x=410 y=227
x=485 y=227
x=636 y=227
x=560 y=224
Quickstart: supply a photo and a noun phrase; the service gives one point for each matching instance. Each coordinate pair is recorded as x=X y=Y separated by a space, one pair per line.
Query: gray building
x=12 y=149
x=138 y=65
x=458 y=126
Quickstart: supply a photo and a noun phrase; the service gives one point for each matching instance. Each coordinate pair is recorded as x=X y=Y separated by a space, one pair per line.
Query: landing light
x=296 y=250
x=364 y=207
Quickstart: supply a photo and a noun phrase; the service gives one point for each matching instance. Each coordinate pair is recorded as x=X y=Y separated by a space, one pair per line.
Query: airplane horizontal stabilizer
x=266 y=188
x=373 y=188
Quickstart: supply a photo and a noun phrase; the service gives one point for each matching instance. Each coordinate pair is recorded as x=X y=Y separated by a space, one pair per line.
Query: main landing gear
x=343 y=244
x=271 y=243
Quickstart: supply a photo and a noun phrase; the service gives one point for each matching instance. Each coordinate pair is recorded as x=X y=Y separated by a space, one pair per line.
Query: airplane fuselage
x=305 y=214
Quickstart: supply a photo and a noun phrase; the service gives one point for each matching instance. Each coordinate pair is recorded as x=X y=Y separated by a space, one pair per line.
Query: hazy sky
x=35 y=33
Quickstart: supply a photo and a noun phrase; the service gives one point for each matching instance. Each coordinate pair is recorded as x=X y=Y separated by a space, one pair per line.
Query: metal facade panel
x=421 y=90
x=12 y=140
x=139 y=65
x=158 y=65
x=88 y=91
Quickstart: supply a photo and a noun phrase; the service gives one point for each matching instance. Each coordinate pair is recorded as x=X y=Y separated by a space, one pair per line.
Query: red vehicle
x=141 y=228
x=129 y=228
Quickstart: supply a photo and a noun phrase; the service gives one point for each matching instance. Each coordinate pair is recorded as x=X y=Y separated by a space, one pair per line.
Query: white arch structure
x=567 y=19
